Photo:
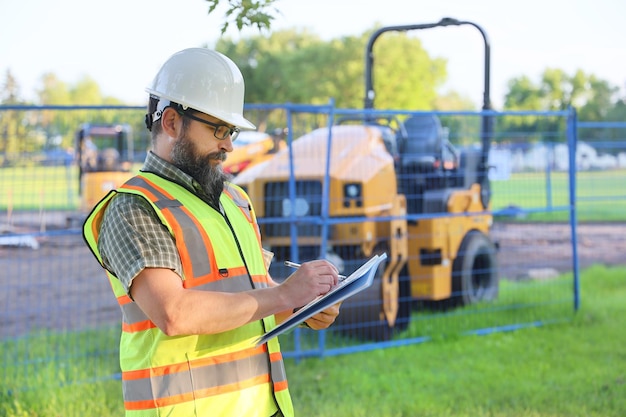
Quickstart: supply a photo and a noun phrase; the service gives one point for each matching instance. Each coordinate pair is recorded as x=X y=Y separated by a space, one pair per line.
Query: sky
x=122 y=43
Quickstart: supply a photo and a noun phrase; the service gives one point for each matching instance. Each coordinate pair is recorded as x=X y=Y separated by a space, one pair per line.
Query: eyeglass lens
x=220 y=131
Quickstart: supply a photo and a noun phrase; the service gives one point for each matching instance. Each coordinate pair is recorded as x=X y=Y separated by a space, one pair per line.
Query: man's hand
x=324 y=319
x=309 y=281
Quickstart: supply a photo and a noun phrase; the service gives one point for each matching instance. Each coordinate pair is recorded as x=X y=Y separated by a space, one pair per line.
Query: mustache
x=218 y=156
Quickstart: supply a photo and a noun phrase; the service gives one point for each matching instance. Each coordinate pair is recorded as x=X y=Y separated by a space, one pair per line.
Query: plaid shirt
x=132 y=237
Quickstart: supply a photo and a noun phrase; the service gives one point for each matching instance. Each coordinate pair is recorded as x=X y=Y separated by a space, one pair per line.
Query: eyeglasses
x=221 y=132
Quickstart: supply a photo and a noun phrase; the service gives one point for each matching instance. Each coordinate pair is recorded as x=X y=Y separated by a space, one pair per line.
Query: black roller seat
x=418 y=156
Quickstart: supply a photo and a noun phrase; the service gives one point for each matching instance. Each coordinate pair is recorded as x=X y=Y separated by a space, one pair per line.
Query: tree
x=53 y=90
x=599 y=105
x=296 y=66
x=462 y=129
x=557 y=91
x=602 y=108
x=453 y=101
x=405 y=76
x=11 y=121
x=85 y=91
x=522 y=95
x=265 y=63
x=243 y=13
x=618 y=112
x=9 y=94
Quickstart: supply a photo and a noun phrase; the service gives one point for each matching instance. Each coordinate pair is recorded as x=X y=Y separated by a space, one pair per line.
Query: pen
x=296 y=266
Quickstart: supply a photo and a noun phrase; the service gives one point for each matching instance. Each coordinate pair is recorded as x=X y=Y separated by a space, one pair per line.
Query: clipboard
x=356 y=282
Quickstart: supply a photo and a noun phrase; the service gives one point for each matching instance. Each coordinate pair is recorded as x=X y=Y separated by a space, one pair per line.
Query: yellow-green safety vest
x=222 y=374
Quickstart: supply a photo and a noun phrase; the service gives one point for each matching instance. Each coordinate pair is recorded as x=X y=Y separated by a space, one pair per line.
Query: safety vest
x=222 y=374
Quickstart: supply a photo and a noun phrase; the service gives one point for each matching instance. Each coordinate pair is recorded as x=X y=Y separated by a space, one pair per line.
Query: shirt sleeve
x=133 y=238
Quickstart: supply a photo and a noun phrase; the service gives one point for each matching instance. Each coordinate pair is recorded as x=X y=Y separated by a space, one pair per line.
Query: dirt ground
x=539 y=250
x=61 y=286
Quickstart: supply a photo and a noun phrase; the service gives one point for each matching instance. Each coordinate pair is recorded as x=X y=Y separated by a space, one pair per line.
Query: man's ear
x=170 y=122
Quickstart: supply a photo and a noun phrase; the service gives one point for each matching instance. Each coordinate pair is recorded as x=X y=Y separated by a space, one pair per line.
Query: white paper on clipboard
x=356 y=282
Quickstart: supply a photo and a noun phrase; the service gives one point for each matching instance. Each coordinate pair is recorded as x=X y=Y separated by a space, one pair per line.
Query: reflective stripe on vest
x=166 y=373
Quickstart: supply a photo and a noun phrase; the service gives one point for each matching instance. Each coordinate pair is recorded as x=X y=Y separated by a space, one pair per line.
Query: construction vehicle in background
x=105 y=158
x=251 y=148
x=376 y=184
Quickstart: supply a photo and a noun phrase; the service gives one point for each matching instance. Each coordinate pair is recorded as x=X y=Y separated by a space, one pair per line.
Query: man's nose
x=226 y=144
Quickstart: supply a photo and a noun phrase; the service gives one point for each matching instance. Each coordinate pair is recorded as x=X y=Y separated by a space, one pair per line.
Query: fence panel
x=59 y=321
x=518 y=192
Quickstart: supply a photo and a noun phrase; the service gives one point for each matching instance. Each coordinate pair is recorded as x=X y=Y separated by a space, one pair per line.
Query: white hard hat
x=204 y=80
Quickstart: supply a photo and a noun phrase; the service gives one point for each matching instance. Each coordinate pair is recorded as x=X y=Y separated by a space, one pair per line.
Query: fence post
x=549 y=159
x=571 y=145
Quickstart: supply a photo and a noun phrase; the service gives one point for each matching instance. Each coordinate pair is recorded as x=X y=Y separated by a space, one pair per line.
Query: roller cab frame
x=451 y=256
x=378 y=184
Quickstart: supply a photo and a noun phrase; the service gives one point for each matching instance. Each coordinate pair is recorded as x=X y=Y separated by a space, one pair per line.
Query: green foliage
x=452 y=101
x=405 y=76
x=246 y=13
x=35 y=131
x=298 y=67
x=9 y=93
x=557 y=90
x=594 y=99
x=522 y=95
x=617 y=112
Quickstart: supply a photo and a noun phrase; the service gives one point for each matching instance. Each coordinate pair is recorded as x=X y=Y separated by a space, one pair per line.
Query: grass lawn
x=600 y=194
x=36 y=187
x=574 y=368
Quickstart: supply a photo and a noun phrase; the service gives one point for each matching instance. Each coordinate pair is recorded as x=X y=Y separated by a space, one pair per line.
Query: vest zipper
x=269 y=362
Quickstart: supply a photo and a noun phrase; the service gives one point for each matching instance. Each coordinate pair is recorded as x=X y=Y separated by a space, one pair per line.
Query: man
x=183 y=253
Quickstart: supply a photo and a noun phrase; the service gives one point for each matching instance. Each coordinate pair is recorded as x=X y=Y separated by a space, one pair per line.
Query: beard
x=210 y=177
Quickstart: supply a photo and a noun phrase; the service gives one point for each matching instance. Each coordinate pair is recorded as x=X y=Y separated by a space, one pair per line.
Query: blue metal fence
x=58 y=318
